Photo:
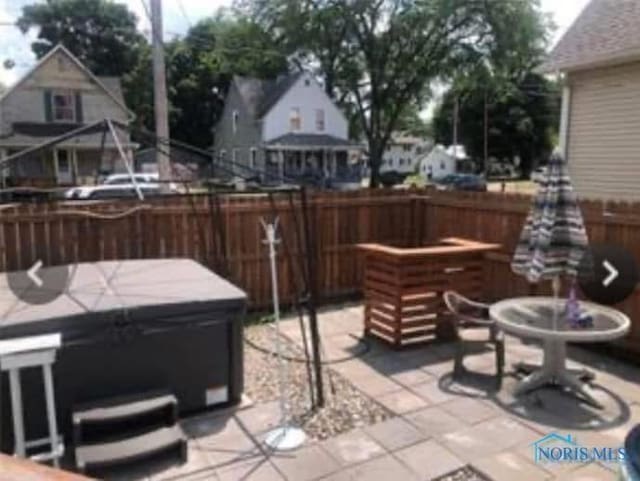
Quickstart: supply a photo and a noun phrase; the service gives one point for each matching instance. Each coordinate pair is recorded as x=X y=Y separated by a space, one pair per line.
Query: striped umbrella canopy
x=554 y=238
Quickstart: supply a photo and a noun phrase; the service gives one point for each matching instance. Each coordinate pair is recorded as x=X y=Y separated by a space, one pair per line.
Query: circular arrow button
x=38 y=284
x=607 y=274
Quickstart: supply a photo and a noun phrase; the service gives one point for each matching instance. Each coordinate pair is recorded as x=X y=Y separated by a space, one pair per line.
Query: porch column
x=334 y=166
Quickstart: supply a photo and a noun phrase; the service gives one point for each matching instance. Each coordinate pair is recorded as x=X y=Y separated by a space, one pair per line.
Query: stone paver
x=510 y=466
x=591 y=472
x=305 y=464
x=402 y=401
x=471 y=410
x=434 y=421
x=353 y=447
x=257 y=470
x=429 y=459
x=386 y=468
x=395 y=433
x=488 y=437
x=432 y=393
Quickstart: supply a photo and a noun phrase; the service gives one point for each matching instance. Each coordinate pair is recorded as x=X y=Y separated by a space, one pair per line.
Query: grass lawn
x=514 y=186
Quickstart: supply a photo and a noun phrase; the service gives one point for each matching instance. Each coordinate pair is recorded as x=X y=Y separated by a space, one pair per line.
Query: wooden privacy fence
x=231 y=236
x=224 y=235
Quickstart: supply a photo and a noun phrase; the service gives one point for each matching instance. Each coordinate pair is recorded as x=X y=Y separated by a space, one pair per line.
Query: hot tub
x=130 y=327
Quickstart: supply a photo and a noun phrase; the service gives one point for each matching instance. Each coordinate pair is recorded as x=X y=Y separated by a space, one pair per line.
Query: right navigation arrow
x=613 y=273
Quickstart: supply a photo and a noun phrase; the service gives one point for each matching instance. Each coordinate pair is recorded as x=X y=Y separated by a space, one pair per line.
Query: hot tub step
x=125 y=408
x=96 y=456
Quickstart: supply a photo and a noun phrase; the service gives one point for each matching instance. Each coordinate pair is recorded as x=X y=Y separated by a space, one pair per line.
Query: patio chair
x=470 y=317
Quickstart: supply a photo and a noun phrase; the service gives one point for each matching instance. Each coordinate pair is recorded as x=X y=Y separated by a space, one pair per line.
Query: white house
x=439 y=162
x=284 y=127
x=403 y=153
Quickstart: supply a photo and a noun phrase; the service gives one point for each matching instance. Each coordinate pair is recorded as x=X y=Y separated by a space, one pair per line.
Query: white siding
x=604 y=132
x=308 y=98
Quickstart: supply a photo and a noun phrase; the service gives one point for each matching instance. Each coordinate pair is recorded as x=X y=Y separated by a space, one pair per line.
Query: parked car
x=119 y=185
x=470 y=182
x=126 y=178
x=111 y=191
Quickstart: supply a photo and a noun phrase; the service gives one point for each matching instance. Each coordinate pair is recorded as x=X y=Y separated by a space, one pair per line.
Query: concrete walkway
x=440 y=425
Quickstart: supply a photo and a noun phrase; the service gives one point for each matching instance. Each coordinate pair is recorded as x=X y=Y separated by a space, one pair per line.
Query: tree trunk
x=375 y=161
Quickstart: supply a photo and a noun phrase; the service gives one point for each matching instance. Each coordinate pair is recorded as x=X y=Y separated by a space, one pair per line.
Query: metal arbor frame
x=308 y=295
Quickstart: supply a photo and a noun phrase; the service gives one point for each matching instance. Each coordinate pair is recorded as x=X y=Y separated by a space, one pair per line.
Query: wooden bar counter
x=403 y=287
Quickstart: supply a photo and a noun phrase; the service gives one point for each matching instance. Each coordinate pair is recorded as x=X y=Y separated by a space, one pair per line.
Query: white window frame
x=63 y=93
x=295 y=116
x=320 y=120
x=234 y=155
x=234 y=120
x=253 y=157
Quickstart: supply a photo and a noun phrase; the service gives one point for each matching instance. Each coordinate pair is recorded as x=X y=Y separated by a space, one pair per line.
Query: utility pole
x=160 y=97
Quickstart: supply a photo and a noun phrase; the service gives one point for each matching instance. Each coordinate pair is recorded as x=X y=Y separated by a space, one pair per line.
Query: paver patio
x=440 y=424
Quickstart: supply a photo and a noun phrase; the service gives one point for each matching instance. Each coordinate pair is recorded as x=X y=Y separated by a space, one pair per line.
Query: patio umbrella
x=554 y=239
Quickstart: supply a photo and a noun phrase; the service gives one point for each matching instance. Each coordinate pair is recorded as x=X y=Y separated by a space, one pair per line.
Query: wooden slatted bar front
x=403 y=287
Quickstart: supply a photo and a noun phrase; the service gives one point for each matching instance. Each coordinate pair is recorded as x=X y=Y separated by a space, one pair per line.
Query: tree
x=500 y=99
x=202 y=64
x=522 y=123
x=102 y=34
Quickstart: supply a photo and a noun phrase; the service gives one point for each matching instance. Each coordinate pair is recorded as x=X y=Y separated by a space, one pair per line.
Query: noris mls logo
x=556 y=448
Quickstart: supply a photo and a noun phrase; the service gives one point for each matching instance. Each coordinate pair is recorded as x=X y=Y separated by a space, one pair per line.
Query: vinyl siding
x=604 y=132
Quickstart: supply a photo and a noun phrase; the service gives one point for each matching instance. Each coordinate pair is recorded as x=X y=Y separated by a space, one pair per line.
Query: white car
x=140 y=178
x=119 y=185
x=111 y=191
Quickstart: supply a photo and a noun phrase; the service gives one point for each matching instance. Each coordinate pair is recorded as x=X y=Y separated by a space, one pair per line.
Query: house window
x=236 y=115
x=407 y=147
x=252 y=158
x=320 y=120
x=295 y=122
x=62 y=64
x=223 y=155
x=63 y=106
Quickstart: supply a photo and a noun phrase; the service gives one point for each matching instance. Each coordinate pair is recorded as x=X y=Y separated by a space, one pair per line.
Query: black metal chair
x=471 y=317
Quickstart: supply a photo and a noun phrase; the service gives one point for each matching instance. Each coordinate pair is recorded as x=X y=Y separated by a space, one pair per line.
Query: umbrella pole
x=555 y=286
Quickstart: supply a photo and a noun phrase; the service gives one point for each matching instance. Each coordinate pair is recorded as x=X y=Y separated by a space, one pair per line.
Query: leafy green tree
x=102 y=34
x=202 y=64
x=522 y=122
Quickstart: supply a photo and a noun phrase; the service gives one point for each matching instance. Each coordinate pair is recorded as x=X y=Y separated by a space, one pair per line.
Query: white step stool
x=22 y=353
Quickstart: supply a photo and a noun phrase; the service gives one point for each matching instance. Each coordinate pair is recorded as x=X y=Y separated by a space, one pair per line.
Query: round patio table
x=533 y=317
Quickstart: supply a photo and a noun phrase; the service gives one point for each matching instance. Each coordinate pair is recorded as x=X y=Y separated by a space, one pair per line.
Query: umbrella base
x=553 y=371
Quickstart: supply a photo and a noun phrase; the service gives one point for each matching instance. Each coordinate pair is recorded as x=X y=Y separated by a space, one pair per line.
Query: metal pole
x=123 y=155
x=160 y=95
x=285 y=437
x=311 y=301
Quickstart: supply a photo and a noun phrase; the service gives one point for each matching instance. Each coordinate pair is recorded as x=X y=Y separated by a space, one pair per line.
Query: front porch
x=320 y=159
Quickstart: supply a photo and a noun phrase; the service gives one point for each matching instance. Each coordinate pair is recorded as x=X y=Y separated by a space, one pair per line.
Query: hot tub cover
x=141 y=291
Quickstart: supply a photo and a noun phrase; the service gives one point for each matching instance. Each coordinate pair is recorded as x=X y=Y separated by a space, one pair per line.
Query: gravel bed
x=345 y=406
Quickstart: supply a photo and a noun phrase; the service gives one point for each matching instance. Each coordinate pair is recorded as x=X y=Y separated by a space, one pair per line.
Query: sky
x=178 y=16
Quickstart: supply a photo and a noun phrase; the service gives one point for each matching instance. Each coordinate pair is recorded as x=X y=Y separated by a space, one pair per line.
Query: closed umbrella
x=554 y=239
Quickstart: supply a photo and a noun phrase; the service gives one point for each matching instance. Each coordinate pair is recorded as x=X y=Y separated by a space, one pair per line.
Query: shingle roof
x=260 y=95
x=607 y=31
x=310 y=140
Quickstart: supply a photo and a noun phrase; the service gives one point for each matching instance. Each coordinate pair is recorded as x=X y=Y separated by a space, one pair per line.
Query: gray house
x=284 y=127
x=57 y=95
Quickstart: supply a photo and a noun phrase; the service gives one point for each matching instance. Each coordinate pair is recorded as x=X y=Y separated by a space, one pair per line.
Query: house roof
x=293 y=140
x=259 y=95
x=110 y=85
x=606 y=32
